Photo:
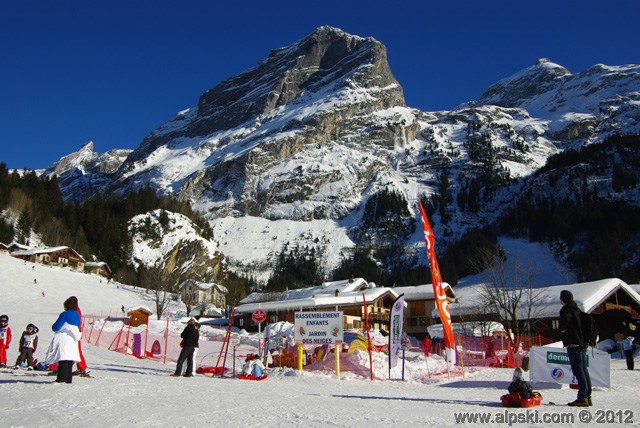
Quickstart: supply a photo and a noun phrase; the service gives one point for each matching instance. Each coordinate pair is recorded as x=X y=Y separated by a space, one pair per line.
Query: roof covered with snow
x=44 y=250
x=204 y=286
x=423 y=292
x=587 y=295
x=336 y=293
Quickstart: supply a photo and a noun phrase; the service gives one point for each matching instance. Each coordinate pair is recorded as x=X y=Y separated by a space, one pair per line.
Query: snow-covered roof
x=14 y=244
x=96 y=264
x=204 y=286
x=140 y=308
x=588 y=296
x=423 y=292
x=336 y=293
x=44 y=250
x=329 y=288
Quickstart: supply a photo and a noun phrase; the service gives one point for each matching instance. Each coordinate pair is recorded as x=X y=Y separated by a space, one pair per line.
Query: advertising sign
x=552 y=365
x=318 y=328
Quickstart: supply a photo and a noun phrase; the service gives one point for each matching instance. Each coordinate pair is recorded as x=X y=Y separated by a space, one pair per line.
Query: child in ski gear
x=190 y=335
x=246 y=367
x=5 y=339
x=28 y=346
x=257 y=368
x=520 y=385
x=64 y=346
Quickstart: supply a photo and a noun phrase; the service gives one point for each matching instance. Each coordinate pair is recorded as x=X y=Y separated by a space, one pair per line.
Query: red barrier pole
x=117 y=337
x=366 y=326
x=100 y=334
x=91 y=332
x=126 y=342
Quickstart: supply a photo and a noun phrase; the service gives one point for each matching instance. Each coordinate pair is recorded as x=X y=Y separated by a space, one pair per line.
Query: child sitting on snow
x=257 y=368
x=27 y=347
x=519 y=385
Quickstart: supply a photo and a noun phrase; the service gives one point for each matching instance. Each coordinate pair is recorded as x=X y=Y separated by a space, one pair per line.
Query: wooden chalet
x=55 y=256
x=613 y=303
x=346 y=296
x=420 y=304
x=98 y=268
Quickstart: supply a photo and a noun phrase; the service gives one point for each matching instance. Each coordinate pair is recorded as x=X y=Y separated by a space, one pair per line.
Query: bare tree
x=509 y=291
x=162 y=283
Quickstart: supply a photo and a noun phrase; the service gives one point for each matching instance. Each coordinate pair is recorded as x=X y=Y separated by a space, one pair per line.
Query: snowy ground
x=126 y=391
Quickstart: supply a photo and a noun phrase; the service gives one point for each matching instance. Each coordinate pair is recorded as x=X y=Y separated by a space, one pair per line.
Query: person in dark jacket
x=571 y=330
x=190 y=336
x=27 y=346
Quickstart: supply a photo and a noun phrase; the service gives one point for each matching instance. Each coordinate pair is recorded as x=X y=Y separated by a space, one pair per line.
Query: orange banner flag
x=438 y=290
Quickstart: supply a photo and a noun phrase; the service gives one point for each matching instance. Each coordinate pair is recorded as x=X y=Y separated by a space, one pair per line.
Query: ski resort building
x=199 y=293
x=98 y=268
x=55 y=256
x=347 y=296
x=613 y=303
x=420 y=304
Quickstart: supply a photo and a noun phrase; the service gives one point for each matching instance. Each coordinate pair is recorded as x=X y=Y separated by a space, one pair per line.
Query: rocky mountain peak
x=524 y=85
x=326 y=56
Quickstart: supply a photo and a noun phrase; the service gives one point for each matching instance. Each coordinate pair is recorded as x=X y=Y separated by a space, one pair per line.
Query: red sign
x=258 y=316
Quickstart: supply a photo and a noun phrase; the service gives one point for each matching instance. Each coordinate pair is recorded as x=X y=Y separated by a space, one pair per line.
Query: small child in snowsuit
x=520 y=385
x=5 y=339
x=28 y=346
x=257 y=368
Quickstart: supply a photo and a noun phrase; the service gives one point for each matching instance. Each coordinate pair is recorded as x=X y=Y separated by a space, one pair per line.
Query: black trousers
x=629 y=355
x=186 y=354
x=65 y=370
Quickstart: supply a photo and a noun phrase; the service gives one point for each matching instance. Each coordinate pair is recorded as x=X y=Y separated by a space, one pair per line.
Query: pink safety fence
x=164 y=346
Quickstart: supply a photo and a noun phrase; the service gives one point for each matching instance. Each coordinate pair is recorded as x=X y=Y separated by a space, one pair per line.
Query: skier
x=28 y=346
x=64 y=347
x=5 y=339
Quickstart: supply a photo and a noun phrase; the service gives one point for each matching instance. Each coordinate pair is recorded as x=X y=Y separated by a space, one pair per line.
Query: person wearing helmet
x=5 y=339
x=28 y=346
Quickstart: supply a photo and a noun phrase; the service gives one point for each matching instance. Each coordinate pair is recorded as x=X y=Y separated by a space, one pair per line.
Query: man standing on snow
x=190 y=336
x=571 y=329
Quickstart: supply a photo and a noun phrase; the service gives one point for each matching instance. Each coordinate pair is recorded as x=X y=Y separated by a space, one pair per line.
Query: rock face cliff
x=245 y=148
x=300 y=148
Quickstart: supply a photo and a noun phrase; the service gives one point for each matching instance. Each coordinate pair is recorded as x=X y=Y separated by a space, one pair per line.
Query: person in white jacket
x=64 y=346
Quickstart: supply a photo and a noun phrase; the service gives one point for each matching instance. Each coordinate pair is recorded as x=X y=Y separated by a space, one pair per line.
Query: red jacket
x=5 y=336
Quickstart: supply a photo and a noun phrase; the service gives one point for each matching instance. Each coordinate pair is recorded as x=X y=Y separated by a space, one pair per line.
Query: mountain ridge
x=315 y=130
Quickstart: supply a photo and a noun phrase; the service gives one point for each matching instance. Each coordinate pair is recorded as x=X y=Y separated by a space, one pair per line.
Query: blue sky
x=110 y=72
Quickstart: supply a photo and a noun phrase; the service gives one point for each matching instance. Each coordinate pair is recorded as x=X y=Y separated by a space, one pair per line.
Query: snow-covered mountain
x=85 y=172
x=294 y=148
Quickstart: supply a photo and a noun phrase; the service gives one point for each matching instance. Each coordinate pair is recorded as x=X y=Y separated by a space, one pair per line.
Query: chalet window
x=241 y=322
x=555 y=324
x=273 y=319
